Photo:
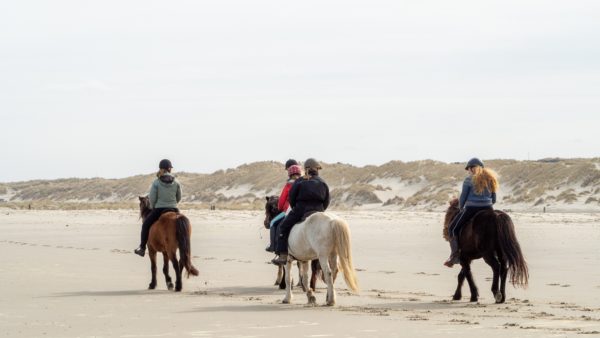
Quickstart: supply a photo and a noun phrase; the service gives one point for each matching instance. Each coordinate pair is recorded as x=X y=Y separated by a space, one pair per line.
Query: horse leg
x=280 y=276
x=330 y=299
x=474 y=293
x=461 y=280
x=166 y=271
x=315 y=269
x=312 y=300
x=300 y=276
x=503 y=275
x=288 y=283
x=176 y=267
x=152 y=255
x=333 y=264
x=492 y=261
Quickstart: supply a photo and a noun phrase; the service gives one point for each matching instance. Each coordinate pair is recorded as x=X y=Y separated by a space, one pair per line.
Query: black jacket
x=308 y=195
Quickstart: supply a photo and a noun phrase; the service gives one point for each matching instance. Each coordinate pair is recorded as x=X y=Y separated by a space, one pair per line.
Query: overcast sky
x=108 y=88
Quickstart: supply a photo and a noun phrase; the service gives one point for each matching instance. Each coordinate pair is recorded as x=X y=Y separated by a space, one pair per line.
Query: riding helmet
x=165 y=164
x=311 y=163
x=474 y=162
x=294 y=170
x=290 y=163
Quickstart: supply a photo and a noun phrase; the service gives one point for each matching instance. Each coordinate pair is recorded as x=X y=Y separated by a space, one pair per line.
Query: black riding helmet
x=311 y=163
x=165 y=164
x=474 y=162
x=290 y=163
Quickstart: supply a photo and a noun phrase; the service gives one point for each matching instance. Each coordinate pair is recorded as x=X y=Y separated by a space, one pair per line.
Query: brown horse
x=490 y=235
x=272 y=210
x=172 y=231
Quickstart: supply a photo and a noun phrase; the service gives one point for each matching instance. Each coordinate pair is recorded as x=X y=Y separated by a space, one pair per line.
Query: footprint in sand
x=387 y=272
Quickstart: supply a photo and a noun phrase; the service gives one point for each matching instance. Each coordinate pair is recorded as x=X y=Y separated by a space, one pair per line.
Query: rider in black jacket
x=308 y=195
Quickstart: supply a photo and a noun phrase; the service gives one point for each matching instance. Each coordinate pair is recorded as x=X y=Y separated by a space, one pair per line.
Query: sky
x=109 y=88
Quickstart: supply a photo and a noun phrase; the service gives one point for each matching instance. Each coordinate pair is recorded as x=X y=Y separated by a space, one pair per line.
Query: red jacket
x=284 y=204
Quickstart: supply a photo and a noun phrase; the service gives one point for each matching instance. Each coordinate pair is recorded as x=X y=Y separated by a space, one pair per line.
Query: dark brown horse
x=490 y=235
x=172 y=231
x=272 y=210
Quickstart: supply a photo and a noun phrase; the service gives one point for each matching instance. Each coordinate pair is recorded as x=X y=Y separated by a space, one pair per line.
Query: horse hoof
x=473 y=300
x=456 y=297
x=312 y=300
x=170 y=286
x=498 y=297
x=177 y=289
x=330 y=303
x=286 y=301
x=151 y=286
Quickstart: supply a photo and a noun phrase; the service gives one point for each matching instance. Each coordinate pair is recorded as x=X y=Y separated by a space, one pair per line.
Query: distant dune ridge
x=554 y=184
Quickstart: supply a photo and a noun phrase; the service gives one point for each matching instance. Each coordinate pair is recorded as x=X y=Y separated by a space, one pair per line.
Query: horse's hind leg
x=152 y=255
x=333 y=264
x=315 y=271
x=280 y=276
x=300 y=276
x=330 y=299
x=492 y=261
x=503 y=275
x=166 y=271
x=312 y=300
x=175 y=262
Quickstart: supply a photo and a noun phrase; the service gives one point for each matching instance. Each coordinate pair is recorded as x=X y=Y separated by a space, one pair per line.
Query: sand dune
x=72 y=274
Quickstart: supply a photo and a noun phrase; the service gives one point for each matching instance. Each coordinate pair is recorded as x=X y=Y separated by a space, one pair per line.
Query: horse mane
x=450 y=213
x=144 y=207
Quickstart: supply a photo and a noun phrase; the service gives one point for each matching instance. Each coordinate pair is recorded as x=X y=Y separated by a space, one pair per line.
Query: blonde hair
x=484 y=178
x=161 y=172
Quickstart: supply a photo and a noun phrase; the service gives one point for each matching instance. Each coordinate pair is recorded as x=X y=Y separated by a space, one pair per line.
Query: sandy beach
x=73 y=274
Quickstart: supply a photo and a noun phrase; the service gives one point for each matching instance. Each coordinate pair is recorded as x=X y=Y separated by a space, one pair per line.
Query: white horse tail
x=341 y=232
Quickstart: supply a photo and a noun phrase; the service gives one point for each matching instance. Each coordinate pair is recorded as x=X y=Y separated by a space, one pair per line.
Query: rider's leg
x=273 y=231
x=282 y=240
x=152 y=217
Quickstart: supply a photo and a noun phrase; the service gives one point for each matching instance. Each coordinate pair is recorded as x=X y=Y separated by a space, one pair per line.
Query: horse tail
x=511 y=250
x=341 y=233
x=184 y=230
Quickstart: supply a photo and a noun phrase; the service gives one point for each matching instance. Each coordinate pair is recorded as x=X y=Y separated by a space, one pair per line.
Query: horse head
x=144 y=206
x=271 y=209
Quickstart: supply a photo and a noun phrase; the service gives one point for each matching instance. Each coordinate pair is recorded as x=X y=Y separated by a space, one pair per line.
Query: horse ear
x=141 y=197
x=267 y=198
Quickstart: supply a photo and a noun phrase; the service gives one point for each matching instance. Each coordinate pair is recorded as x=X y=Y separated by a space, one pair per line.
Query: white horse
x=325 y=237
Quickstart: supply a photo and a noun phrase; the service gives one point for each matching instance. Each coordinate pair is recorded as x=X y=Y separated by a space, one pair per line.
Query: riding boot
x=455 y=253
x=140 y=251
x=281 y=260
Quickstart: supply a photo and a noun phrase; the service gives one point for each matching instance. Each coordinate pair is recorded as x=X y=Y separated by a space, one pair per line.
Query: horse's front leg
x=474 y=292
x=152 y=255
x=166 y=271
x=175 y=262
x=461 y=280
x=288 y=281
x=330 y=299
x=280 y=277
x=492 y=261
x=298 y=263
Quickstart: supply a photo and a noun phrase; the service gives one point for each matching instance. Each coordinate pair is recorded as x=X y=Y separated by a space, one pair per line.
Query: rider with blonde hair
x=478 y=193
x=164 y=195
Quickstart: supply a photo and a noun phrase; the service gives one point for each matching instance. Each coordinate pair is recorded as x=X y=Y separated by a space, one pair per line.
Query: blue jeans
x=273 y=229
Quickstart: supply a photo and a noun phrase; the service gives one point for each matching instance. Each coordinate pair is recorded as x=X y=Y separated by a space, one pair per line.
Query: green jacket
x=165 y=192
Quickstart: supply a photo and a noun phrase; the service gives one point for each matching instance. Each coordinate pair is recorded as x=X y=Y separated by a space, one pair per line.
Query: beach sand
x=73 y=274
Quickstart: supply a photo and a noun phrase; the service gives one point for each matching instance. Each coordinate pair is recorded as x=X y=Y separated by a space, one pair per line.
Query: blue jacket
x=469 y=198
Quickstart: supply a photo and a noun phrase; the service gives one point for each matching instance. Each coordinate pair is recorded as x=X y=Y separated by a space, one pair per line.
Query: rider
x=478 y=193
x=308 y=195
x=165 y=193
x=294 y=172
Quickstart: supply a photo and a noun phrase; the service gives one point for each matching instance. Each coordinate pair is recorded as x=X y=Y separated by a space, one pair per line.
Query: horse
x=272 y=210
x=170 y=232
x=325 y=237
x=489 y=235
